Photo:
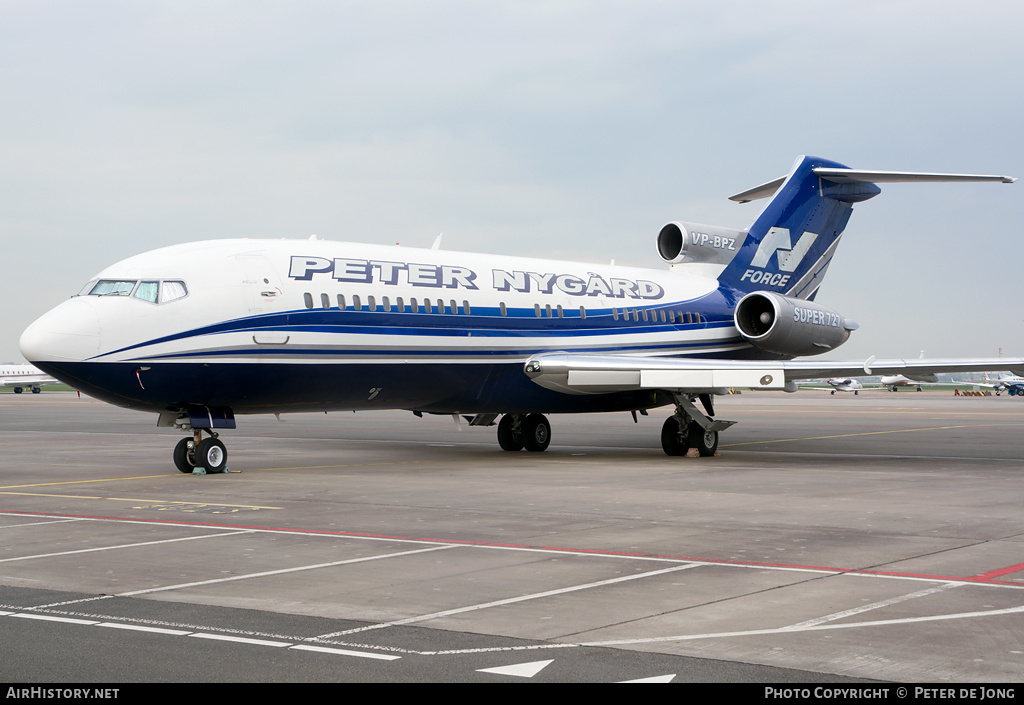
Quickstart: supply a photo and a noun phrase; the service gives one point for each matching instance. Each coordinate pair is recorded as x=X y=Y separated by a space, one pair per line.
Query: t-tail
x=792 y=241
x=788 y=247
x=771 y=271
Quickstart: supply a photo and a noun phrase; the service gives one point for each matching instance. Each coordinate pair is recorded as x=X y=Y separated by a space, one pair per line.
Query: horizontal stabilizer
x=849 y=176
x=846 y=176
x=762 y=191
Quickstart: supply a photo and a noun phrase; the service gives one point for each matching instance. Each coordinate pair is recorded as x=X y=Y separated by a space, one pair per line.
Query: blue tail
x=790 y=244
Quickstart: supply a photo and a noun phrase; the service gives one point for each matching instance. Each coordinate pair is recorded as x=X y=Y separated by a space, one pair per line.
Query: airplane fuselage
x=297 y=325
x=201 y=332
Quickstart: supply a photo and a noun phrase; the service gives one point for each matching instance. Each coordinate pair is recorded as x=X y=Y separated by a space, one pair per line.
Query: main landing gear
x=197 y=452
x=690 y=428
x=518 y=431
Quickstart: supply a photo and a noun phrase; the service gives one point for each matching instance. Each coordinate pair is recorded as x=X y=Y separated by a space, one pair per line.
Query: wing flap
x=597 y=374
x=763 y=378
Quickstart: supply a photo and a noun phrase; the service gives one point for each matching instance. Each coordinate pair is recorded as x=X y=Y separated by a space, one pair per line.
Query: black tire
x=536 y=433
x=673 y=442
x=17 y=390
x=212 y=456
x=510 y=434
x=706 y=442
x=183 y=454
x=37 y=390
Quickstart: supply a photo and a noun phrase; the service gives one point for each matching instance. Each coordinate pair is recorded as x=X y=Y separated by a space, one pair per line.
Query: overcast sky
x=559 y=129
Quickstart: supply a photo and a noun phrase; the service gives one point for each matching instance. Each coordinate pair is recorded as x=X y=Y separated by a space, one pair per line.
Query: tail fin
x=791 y=242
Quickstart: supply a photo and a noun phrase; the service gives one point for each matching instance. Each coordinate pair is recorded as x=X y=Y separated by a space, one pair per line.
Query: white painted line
x=283 y=571
x=52 y=605
x=345 y=652
x=510 y=601
x=818 y=628
x=38 y=523
x=667 y=678
x=139 y=628
x=520 y=670
x=240 y=639
x=49 y=618
x=867 y=608
x=125 y=545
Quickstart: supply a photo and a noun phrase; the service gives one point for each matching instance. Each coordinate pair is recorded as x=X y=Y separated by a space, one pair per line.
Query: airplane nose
x=69 y=332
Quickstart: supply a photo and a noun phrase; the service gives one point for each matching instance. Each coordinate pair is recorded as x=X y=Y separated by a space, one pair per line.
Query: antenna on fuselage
x=437 y=242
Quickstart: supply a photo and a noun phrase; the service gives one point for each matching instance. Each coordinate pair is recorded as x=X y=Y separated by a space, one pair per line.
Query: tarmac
x=876 y=537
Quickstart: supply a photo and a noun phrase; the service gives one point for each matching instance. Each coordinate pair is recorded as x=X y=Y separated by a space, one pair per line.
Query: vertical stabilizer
x=790 y=244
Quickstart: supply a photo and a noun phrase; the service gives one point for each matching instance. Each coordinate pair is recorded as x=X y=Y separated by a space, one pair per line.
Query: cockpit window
x=147 y=291
x=112 y=287
x=172 y=290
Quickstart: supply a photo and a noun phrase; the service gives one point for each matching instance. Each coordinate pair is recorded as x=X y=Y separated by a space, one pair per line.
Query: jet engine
x=788 y=326
x=688 y=242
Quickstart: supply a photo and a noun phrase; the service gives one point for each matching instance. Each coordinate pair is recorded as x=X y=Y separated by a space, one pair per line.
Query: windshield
x=112 y=287
x=147 y=290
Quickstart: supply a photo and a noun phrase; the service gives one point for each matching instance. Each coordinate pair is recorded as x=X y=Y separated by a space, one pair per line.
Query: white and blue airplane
x=22 y=377
x=201 y=333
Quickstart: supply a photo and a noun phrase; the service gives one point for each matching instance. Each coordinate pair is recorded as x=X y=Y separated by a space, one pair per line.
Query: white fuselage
x=312 y=304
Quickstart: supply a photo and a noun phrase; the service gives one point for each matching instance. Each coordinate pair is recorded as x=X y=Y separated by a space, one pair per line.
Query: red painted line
x=981 y=578
x=996 y=573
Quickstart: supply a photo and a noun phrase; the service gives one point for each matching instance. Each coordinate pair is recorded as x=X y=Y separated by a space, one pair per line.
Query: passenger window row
x=653 y=316
x=355 y=303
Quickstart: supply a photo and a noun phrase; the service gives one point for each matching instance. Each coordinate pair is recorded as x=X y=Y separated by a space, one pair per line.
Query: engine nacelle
x=688 y=242
x=788 y=326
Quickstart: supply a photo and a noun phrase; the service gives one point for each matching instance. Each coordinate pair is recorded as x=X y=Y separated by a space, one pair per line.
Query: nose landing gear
x=194 y=453
x=207 y=455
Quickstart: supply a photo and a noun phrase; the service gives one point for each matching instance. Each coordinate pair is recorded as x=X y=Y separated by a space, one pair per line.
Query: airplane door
x=262 y=285
x=263 y=293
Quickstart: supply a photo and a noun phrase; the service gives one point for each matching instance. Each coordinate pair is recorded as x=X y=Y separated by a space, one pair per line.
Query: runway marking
x=1001 y=571
x=282 y=571
x=344 y=652
x=851 y=435
x=239 y=639
x=123 y=545
x=141 y=628
x=53 y=618
x=37 y=523
x=156 y=504
x=449 y=543
x=520 y=670
x=818 y=624
x=84 y=482
x=507 y=601
x=816 y=628
x=873 y=606
x=290 y=643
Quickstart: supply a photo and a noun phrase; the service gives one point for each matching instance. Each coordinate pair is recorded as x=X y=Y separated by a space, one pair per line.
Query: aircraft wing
x=596 y=374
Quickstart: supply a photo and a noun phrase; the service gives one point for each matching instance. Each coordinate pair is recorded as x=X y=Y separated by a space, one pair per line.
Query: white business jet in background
x=22 y=377
x=202 y=333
